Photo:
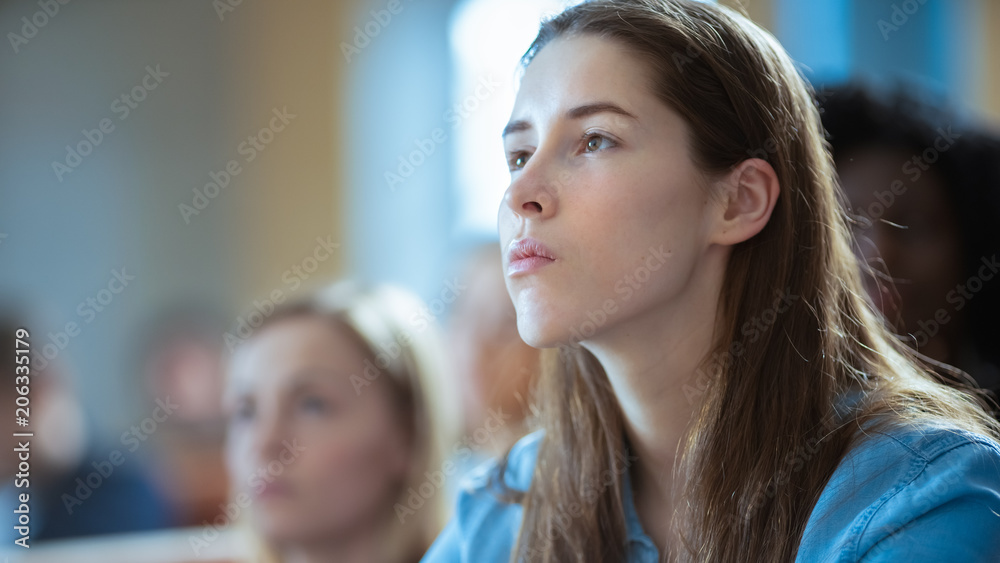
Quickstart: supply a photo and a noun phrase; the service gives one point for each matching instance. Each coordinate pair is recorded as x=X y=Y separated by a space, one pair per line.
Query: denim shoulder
x=517 y=474
x=484 y=526
x=920 y=493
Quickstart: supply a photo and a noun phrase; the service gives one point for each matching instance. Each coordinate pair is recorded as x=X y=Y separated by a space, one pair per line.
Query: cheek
x=356 y=462
x=238 y=456
x=348 y=459
x=645 y=250
x=628 y=235
x=629 y=240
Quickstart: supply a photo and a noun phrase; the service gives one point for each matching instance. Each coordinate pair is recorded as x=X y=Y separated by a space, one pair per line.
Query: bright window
x=487 y=38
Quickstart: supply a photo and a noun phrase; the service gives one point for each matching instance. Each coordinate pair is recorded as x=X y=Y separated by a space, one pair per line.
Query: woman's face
x=916 y=235
x=601 y=175
x=318 y=459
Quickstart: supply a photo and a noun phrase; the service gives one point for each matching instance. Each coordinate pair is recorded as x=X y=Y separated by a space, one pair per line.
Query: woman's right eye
x=314 y=405
x=244 y=410
x=517 y=161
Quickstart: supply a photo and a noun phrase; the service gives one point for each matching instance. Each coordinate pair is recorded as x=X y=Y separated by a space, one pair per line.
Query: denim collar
x=640 y=547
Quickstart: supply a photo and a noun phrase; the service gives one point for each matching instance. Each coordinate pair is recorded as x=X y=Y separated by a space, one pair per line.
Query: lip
x=527 y=255
x=273 y=490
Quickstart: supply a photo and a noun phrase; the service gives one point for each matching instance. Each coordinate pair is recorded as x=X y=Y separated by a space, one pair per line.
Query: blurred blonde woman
x=337 y=428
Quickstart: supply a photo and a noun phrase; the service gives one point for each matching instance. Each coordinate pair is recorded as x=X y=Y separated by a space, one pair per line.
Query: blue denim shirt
x=908 y=495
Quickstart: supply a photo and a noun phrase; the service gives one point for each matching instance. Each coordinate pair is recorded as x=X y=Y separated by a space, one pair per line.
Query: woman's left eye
x=243 y=411
x=595 y=142
x=313 y=405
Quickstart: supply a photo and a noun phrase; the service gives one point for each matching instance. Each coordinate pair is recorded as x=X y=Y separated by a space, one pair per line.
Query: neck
x=357 y=547
x=650 y=360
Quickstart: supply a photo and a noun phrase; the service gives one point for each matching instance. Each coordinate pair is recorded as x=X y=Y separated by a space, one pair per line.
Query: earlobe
x=751 y=190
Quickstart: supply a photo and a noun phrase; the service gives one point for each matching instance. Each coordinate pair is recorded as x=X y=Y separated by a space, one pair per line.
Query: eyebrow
x=575 y=113
x=304 y=380
x=312 y=377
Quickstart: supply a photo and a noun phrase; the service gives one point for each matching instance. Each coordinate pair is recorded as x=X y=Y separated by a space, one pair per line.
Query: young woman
x=338 y=424
x=718 y=385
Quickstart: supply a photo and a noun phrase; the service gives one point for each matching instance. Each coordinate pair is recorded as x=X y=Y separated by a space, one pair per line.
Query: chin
x=543 y=319
x=539 y=334
x=277 y=530
x=551 y=319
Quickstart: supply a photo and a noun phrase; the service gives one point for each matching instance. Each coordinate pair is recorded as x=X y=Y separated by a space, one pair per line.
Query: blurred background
x=171 y=169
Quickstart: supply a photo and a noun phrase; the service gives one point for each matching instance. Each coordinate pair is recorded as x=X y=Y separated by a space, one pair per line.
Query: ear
x=748 y=194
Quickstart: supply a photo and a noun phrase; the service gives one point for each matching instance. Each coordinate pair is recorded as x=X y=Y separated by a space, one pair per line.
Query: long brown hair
x=743 y=488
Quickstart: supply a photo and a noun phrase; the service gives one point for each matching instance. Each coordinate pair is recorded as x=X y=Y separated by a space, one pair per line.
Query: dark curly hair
x=857 y=117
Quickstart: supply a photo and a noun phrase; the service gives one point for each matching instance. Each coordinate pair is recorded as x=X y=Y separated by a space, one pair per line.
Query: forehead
x=581 y=69
x=867 y=170
x=283 y=351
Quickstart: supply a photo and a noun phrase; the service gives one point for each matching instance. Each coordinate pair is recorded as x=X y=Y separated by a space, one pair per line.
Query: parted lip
x=274 y=488
x=526 y=248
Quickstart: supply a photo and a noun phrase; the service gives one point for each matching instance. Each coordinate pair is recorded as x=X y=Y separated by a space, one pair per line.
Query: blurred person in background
x=494 y=366
x=339 y=421
x=76 y=488
x=181 y=359
x=925 y=195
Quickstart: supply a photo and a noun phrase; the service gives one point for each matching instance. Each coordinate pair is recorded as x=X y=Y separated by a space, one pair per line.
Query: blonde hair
x=381 y=316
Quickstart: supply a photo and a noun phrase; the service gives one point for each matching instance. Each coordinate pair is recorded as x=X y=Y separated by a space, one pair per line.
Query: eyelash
x=591 y=134
x=313 y=403
x=512 y=159
x=246 y=410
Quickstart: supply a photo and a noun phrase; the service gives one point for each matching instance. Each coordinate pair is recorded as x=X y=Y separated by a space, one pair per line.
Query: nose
x=533 y=194
x=269 y=433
